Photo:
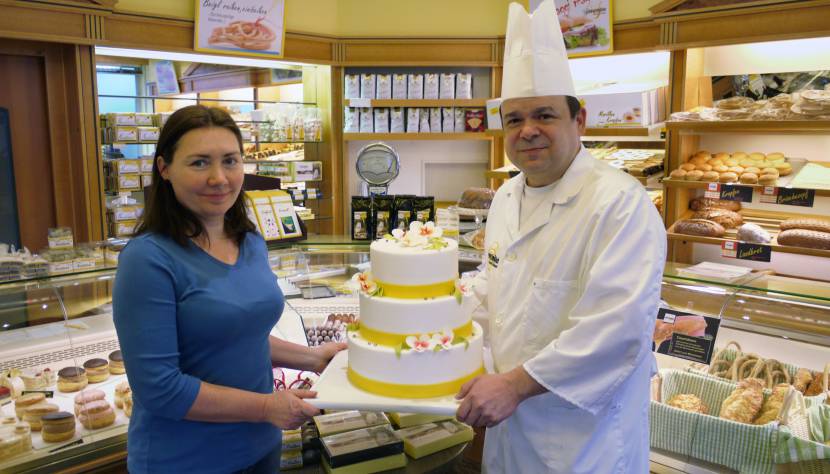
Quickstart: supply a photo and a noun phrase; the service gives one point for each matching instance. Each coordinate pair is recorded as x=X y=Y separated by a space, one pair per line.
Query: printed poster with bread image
x=685 y=335
x=240 y=27
x=586 y=26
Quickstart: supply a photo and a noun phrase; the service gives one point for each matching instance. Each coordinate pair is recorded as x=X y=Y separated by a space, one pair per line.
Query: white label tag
x=360 y=102
x=729 y=249
x=712 y=191
x=769 y=195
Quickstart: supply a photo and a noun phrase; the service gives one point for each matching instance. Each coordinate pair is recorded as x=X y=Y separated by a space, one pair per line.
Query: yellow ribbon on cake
x=393 y=340
x=399 y=390
x=415 y=292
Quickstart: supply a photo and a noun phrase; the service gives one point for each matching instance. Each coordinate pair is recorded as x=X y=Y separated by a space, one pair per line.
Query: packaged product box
x=123 y=133
x=382 y=120
x=291 y=459
x=474 y=120
x=367 y=119
x=145 y=119
x=286 y=214
x=463 y=85
x=637 y=105
x=423 y=209
x=83 y=260
x=307 y=170
x=382 y=216
x=129 y=212
x=399 y=86
x=494 y=114
x=431 y=85
x=447 y=120
x=120 y=118
x=60 y=261
x=435 y=119
x=460 y=120
x=404 y=210
x=447 y=220
x=415 y=86
x=361 y=218
x=413 y=119
x=349 y=449
x=397 y=120
x=146 y=180
x=264 y=213
x=122 y=166
x=351 y=89
x=447 y=86
x=60 y=238
x=148 y=134
x=383 y=86
x=123 y=228
x=429 y=438
x=124 y=182
x=405 y=420
x=349 y=420
x=351 y=120
x=423 y=125
x=367 y=86
x=146 y=164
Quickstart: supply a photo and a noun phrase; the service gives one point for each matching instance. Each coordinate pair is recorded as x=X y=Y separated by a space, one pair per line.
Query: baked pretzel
x=244 y=34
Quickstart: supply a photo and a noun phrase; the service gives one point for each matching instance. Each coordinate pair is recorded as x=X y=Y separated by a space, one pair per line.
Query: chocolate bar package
x=361 y=217
x=404 y=211
x=423 y=440
x=474 y=120
x=342 y=421
x=382 y=216
x=423 y=208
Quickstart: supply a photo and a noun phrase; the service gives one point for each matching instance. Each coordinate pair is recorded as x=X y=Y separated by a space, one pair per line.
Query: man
x=575 y=253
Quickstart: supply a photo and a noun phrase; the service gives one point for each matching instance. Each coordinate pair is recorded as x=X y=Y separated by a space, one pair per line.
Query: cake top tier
x=418 y=239
x=419 y=256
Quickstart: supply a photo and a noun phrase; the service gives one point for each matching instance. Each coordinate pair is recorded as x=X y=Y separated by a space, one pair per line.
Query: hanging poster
x=587 y=26
x=166 y=80
x=240 y=27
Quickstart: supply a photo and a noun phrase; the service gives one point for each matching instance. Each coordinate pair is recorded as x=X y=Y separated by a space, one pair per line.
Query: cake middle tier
x=388 y=321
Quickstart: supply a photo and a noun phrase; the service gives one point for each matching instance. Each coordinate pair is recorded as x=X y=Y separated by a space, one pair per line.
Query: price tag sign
x=746 y=251
x=729 y=192
x=685 y=335
x=788 y=196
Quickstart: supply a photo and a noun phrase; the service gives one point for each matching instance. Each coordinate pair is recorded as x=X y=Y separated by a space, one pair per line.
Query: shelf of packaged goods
x=267 y=162
x=201 y=99
x=752 y=126
x=287 y=141
x=611 y=134
x=679 y=183
x=416 y=136
x=769 y=221
x=424 y=102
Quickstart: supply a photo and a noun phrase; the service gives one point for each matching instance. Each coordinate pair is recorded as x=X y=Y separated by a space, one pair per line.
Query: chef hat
x=535 y=59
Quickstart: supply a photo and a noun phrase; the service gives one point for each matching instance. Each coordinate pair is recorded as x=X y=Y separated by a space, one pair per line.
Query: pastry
x=739 y=155
x=58 y=426
x=803 y=378
x=768 y=179
x=88 y=396
x=25 y=401
x=747 y=163
x=810 y=239
x=128 y=404
x=15 y=440
x=757 y=156
x=752 y=169
x=754 y=233
x=97 y=414
x=769 y=170
x=476 y=198
x=698 y=160
x=688 y=402
x=703 y=154
x=33 y=414
x=744 y=403
x=816 y=387
x=121 y=391
x=97 y=370
x=728 y=177
x=687 y=167
x=807 y=223
x=783 y=168
x=728 y=219
x=731 y=162
x=772 y=406
x=736 y=169
x=710 y=176
x=678 y=174
x=715 y=162
x=37 y=379
x=749 y=178
x=699 y=227
x=703 y=167
x=777 y=156
x=694 y=175
x=720 y=168
x=721 y=156
x=117 y=363
x=700 y=203
x=72 y=379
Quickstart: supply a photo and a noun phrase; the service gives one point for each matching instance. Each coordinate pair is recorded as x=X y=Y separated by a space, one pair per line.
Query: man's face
x=540 y=137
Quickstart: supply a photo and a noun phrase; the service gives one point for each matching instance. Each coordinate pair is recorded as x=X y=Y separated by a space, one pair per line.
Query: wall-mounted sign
x=240 y=27
x=587 y=26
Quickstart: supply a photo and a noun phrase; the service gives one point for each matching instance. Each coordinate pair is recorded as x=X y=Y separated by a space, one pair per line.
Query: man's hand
x=286 y=409
x=487 y=400
x=324 y=353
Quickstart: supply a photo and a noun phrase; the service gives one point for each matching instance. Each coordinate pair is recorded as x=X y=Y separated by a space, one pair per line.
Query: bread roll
x=731 y=162
x=736 y=169
x=777 y=156
x=698 y=160
x=808 y=223
x=720 y=168
x=744 y=403
x=747 y=163
x=784 y=168
x=703 y=167
x=710 y=176
x=769 y=170
x=816 y=386
x=704 y=154
x=803 y=378
x=715 y=162
x=728 y=177
x=810 y=239
x=728 y=219
x=476 y=198
x=687 y=167
x=688 y=402
x=772 y=406
x=749 y=178
x=753 y=169
x=721 y=156
x=702 y=227
x=694 y=175
x=757 y=156
x=739 y=155
x=678 y=174
x=700 y=203
x=768 y=179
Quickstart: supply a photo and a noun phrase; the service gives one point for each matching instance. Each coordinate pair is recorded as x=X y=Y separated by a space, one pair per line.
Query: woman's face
x=206 y=172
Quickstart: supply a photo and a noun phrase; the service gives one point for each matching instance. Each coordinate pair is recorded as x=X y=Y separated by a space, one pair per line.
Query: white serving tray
x=335 y=392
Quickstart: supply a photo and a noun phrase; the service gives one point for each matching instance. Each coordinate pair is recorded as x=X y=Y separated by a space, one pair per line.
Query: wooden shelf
x=416 y=136
x=752 y=126
x=770 y=221
x=610 y=134
x=425 y=102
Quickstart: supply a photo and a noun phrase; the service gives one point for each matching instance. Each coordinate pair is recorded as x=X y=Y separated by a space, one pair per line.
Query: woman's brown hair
x=163 y=213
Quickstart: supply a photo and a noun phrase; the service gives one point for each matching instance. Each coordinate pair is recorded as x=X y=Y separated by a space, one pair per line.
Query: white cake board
x=336 y=392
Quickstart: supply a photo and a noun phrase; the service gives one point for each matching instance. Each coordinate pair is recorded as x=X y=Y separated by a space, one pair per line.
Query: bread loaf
x=698 y=204
x=744 y=403
x=728 y=219
x=699 y=227
x=476 y=198
x=810 y=239
x=772 y=407
x=754 y=233
x=807 y=223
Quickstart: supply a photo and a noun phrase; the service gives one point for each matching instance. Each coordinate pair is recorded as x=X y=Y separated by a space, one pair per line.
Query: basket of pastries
x=743 y=426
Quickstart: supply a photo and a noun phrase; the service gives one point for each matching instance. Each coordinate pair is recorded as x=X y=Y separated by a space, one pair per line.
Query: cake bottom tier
x=411 y=374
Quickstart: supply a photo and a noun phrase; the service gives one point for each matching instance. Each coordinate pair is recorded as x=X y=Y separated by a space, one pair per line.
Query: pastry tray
x=335 y=392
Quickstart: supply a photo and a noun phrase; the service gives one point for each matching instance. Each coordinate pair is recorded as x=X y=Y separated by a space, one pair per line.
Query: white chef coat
x=573 y=298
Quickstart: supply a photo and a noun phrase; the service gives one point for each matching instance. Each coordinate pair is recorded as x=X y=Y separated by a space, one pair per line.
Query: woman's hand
x=324 y=353
x=287 y=410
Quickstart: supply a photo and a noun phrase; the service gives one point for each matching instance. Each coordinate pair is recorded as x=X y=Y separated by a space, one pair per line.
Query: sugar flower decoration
x=442 y=340
x=420 y=343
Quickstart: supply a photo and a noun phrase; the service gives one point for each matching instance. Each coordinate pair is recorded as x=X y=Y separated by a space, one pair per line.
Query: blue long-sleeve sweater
x=183 y=317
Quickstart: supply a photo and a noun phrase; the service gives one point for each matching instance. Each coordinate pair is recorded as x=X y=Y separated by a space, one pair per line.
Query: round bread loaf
x=731 y=162
x=710 y=176
x=678 y=174
x=736 y=169
x=728 y=177
x=752 y=169
x=768 y=179
x=687 y=167
x=698 y=160
x=694 y=175
x=749 y=178
x=476 y=198
x=728 y=219
x=703 y=167
x=739 y=155
x=701 y=227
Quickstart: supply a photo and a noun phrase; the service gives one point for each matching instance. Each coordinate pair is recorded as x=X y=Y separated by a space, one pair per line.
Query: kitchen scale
x=378 y=164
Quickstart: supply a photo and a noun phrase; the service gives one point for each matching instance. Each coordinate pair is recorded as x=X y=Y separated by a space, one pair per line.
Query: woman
x=194 y=304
